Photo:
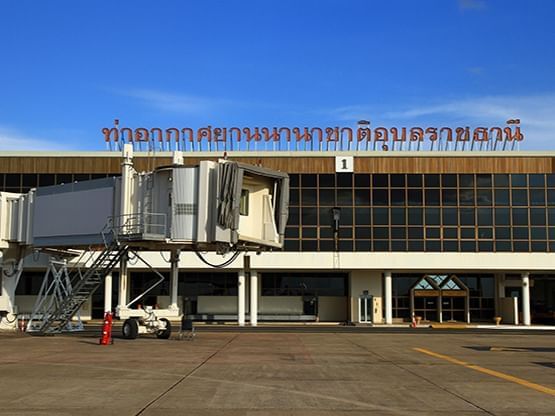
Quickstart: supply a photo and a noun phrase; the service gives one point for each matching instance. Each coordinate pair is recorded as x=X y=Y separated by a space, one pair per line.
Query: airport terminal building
x=372 y=236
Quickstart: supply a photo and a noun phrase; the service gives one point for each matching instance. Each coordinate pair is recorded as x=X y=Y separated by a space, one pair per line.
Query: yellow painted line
x=503 y=376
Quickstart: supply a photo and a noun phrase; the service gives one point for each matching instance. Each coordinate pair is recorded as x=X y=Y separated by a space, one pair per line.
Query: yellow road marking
x=507 y=377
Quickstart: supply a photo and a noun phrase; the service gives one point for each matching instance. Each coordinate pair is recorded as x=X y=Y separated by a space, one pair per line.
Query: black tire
x=164 y=333
x=130 y=329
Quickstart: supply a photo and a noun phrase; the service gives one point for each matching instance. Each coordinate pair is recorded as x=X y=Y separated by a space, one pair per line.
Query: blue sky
x=68 y=68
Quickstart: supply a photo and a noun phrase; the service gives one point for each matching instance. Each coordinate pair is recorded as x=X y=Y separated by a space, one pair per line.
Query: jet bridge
x=215 y=206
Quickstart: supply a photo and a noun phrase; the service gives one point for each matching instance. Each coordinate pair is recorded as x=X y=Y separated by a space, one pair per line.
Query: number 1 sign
x=344 y=164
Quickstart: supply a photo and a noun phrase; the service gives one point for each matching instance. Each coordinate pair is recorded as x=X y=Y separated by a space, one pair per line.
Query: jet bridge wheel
x=130 y=328
x=164 y=333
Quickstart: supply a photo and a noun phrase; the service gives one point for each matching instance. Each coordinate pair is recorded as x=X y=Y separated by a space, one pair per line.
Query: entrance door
x=453 y=308
x=365 y=303
x=426 y=307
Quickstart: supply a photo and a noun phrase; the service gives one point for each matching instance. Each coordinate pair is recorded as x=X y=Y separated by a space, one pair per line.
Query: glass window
x=345 y=197
x=520 y=197
x=483 y=180
x=380 y=216
x=518 y=180
x=467 y=216
x=466 y=196
x=414 y=181
x=485 y=232
x=431 y=181
x=501 y=180
x=433 y=232
x=449 y=181
x=551 y=197
x=483 y=197
x=244 y=202
x=468 y=246
x=537 y=216
x=363 y=216
x=551 y=216
x=415 y=245
x=450 y=216
x=414 y=197
x=502 y=216
x=327 y=245
x=293 y=196
x=29 y=180
x=537 y=197
x=380 y=197
x=362 y=180
x=398 y=216
x=466 y=181
x=293 y=218
x=327 y=197
x=537 y=180
x=363 y=233
x=433 y=216
x=13 y=180
x=308 y=180
x=520 y=233
x=362 y=197
x=538 y=246
x=345 y=232
x=485 y=245
x=397 y=197
x=415 y=233
x=433 y=245
x=450 y=232
x=80 y=177
x=397 y=180
x=344 y=180
x=415 y=216
x=381 y=233
x=502 y=233
x=292 y=245
x=292 y=232
x=346 y=216
x=327 y=180
x=294 y=180
x=308 y=196
x=46 y=179
x=363 y=245
x=381 y=245
x=520 y=216
x=468 y=232
x=398 y=245
x=309 y=245
x=309 y=232
x=485 y=216
x=503 y=245
x=398 y=233
x=502 y=197
x=450 y=245
x=551 y=180
x=432 y=197
x=449 y=196
x=521 y=246
x=326 y=232
x=538 y=233
x=309 y=216
x=380 y=180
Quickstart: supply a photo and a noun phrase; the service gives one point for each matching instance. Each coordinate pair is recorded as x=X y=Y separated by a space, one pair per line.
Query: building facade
x=371 y=237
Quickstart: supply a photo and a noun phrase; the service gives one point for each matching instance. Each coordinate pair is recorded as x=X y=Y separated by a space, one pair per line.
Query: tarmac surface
x=281 y=372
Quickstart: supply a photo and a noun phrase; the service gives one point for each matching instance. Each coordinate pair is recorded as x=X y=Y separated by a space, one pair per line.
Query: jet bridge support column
x=174 y=279
x=123 y=294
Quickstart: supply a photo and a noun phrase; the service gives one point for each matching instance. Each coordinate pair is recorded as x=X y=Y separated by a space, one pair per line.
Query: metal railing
x=143 y=223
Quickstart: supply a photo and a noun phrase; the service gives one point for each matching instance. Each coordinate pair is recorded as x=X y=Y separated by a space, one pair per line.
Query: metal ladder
x=54 y=314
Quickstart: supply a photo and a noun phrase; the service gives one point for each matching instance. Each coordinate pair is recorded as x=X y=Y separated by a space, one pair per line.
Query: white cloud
x=176 y=103
x=536 y=112
x=11 y=139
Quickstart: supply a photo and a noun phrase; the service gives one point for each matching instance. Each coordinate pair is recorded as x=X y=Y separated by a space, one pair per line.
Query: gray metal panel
x=72 y=214
x=184 y=203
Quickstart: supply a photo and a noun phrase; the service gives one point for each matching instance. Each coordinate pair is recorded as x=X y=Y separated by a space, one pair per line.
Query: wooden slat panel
x=466 y=164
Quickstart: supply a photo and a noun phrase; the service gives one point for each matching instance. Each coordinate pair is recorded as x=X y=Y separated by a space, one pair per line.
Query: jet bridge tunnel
x=215 y=206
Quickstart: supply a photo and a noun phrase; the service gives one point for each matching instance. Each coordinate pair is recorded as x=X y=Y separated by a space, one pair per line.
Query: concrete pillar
x=123 y=293
x=526 y=298
x=174 y=278
x=254 y=299
x=388 y=299
x=241 y=298
x=108 y=293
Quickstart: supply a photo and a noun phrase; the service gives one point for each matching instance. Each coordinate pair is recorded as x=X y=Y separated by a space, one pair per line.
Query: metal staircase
x=62 y=297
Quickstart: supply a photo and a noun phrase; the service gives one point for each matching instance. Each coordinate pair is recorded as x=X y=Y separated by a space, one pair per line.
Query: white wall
x=361 y=280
